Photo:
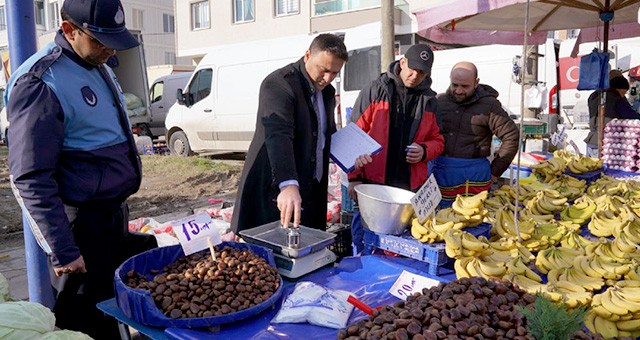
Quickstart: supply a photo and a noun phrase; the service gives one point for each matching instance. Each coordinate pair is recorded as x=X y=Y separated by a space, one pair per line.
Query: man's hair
x=330 y=43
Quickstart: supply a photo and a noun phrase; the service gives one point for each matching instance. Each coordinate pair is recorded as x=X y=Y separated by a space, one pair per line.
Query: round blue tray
x=139 y=305
x=587 y=176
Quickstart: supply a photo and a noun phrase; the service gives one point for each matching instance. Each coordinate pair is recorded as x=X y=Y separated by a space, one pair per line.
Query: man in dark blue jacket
x=73 y=161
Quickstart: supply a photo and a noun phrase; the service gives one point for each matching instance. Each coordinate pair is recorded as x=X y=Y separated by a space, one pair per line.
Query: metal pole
x=524 y=58
x=387 y=55
x=603 y=95
x=21 y=29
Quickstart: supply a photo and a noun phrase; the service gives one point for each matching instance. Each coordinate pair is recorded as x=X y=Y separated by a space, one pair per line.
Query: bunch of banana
x=580 y=165
x=608 y=202
x=619 y=303
x=471 y=208
x=634 y=272
x=631 y=231
x=526 y=214
x=605 y=248
x=633 y=204
x=528 y=285
x=551 y=232
x=460 y=244
x=573 y=295
x=569 y=187
x=546 y=202
x=606 y=185
x=494 y=202
x=507 y=246
x=633 y=190
x=623 y=244
x=601 y=267
x=504 y=226
x=517 y=266
x=580 y=212
x=478 y=267
x=509 y=193
x=570 y=225
x=606 y=328
x=564 y=154
x=556 y=257
x=549 y=169
x=429 y=232
x=575 y=275
x=603 y=223
x=573 y=239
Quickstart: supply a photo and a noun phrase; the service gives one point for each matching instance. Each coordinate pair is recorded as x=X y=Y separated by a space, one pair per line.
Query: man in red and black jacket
x=398 y=110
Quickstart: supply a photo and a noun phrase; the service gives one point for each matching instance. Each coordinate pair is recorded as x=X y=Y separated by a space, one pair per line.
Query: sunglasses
x=91 y=38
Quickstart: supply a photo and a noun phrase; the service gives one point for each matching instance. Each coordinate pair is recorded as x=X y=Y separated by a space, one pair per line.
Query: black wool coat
x=283 y=148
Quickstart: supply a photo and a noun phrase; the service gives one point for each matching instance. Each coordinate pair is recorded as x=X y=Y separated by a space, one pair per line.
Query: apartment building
x=154 y=18
x=206 y=23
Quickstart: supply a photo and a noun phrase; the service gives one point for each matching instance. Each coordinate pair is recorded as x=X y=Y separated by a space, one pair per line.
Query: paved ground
x=13 y=265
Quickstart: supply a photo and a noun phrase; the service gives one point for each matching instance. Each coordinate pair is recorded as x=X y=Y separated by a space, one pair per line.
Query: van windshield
x=362 y=68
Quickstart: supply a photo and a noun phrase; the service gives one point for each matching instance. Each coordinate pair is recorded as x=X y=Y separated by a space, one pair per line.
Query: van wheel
x=179 y=144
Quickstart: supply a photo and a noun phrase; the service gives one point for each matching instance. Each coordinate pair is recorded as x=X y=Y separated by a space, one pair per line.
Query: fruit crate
x=534 y=129
x=406 y=245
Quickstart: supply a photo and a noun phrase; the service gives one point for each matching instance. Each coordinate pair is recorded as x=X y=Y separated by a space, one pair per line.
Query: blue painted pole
x=21 y=29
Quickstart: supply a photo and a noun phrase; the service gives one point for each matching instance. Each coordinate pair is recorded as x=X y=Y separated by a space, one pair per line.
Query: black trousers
x=104 y=241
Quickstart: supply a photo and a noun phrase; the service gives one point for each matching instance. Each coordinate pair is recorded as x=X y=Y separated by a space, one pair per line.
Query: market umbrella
x=530 y=16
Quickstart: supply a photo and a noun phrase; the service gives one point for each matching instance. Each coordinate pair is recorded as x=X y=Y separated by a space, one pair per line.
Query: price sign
x=426 y=200
x=193 y=232
x=559 y=137
x=409 y=283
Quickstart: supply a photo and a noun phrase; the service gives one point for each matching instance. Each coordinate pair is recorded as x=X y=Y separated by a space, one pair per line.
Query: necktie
x=317 y=96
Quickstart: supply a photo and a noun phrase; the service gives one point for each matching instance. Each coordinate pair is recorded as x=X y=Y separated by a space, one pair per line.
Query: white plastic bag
x=316 y=305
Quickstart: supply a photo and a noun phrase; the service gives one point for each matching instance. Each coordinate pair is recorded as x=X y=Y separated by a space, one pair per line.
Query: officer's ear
x=69 y=30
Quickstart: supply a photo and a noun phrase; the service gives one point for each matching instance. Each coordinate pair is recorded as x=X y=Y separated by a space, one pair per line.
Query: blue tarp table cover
x=139 y=305
x=368 y=278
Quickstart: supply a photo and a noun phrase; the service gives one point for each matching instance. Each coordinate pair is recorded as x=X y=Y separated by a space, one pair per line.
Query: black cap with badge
x=104 y=19
x=420 y=57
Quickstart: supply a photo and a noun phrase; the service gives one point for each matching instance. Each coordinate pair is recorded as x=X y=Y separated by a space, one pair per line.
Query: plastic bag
x=132 y=101
x=317 y=305
x=594 y=71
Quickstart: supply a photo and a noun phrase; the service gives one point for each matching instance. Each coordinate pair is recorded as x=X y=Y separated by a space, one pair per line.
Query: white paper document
x=349 y=143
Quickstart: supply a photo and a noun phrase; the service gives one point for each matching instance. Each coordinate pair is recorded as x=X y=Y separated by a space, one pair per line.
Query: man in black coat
x=285 y=173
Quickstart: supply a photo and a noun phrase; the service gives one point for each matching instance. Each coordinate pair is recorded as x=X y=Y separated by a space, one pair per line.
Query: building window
x=39 y=12
x=200 y=15
x=286 y=7
x=137 y=18
x=169 y=58
x=3 y=19
x=168 y=23
x=54 y=15
x=321 y=7
x=243 y=10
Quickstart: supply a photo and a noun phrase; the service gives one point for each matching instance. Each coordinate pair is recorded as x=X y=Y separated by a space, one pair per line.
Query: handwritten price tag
x=409 y=283
x=426 y=200
x=559 y=137
x=193 y=232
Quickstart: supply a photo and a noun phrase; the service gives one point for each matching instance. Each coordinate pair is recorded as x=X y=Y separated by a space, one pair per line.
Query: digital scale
x=295 y=254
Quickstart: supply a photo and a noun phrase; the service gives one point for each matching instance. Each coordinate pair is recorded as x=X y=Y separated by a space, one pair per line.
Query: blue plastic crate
x=347 y=203
x=406 y=245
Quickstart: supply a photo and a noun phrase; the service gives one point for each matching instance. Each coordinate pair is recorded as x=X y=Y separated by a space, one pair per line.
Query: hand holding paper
x=350 y=145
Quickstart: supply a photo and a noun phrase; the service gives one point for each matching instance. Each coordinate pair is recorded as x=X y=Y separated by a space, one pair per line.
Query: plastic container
x=139 y=306
x=406 y=245
x=524 y=171
x=342 y=245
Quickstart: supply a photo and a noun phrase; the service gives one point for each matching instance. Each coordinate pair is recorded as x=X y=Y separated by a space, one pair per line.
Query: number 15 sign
x=194 y=231
x=426 y=200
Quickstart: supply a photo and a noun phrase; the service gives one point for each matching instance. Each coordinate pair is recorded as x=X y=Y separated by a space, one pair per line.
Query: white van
x=217 y=111
x=163 y=94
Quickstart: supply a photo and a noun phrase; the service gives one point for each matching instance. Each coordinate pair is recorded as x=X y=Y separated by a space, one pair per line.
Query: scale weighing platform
x=293 y=262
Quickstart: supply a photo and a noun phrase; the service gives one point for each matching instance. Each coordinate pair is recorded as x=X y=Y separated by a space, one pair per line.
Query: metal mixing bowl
x=384 y=209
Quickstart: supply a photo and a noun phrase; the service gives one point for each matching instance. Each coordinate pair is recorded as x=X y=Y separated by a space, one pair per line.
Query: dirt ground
x=170 y=184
